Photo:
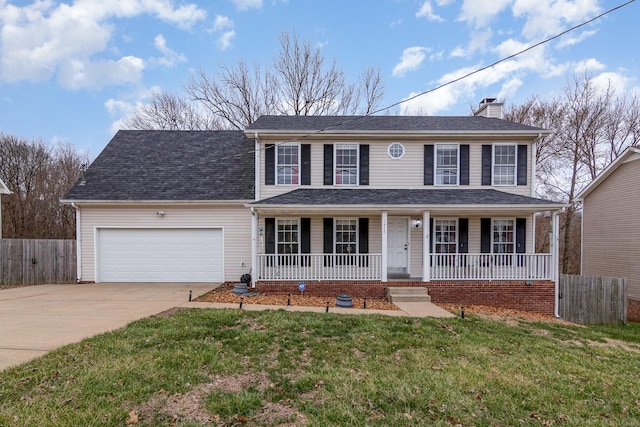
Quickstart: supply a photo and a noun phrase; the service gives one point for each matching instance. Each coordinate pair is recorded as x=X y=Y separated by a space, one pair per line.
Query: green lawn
x=231 y=367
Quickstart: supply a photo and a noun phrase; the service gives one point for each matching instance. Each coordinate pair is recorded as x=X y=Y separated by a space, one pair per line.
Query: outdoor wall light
x=160 y=213
x=416 y=223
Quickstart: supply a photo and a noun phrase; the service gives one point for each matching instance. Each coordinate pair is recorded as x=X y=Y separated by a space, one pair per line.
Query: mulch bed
x=224 y=294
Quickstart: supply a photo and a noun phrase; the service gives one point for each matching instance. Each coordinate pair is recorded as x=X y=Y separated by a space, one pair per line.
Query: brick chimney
x=489 y=107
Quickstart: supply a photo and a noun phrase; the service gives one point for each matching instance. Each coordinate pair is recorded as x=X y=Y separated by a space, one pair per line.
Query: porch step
x=408 y=294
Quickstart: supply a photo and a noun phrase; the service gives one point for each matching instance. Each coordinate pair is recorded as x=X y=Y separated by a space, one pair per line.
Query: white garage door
x=160 y=255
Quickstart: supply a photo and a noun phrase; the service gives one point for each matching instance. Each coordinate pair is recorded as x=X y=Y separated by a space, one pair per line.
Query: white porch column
x=383 y=267
x=426 y=248
x=554 y=244
x=255 y=267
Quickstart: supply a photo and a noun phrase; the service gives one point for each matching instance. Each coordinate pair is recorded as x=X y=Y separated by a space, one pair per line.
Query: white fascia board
x=309 y=134
x=153 y=202
x=630 y=153
x=433 y=208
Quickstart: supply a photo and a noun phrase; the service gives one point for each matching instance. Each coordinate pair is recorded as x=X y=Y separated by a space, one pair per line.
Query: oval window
x=396 y=150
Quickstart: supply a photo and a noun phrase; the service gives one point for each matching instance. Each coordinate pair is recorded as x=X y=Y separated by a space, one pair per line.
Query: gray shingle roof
x=364 y=196
x=387 y=123
x=171 y=165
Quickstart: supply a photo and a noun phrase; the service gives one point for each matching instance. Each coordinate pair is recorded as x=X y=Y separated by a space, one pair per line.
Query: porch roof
x=423 y=199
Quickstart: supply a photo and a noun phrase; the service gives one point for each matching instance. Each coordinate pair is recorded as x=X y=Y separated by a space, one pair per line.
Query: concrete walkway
x=407 y=309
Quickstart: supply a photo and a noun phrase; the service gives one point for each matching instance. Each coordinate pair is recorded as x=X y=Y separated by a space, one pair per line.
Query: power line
x=450 y=82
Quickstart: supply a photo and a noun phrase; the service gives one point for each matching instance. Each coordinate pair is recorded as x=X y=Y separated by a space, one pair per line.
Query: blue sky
x=71 y=71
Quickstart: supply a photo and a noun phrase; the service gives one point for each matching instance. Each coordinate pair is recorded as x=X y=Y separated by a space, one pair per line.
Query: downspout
x=255 y=272
x=555 y=224
x=78 y=244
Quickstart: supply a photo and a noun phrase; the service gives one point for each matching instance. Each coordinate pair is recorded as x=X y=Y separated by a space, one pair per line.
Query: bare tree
x=298 y=82
x=592 y=126
x=38 y=177
x=169 y=111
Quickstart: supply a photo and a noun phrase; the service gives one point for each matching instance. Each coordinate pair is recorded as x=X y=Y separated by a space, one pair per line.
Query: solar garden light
x=241 y=301
x=190 y=295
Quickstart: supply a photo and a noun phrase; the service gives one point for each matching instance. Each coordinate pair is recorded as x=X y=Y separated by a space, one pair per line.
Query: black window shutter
x=270 y=235
x=305 y=167
x=328 y=164
x=428 y=165
x=485 y=235
x=305 y=235
x=486 y=164
x=522 y=165
x=463 y=235
x=521 y=235
x=328 y=235
x=269 y=164
x=363 y=235
x=464 y=164
x=364 y=164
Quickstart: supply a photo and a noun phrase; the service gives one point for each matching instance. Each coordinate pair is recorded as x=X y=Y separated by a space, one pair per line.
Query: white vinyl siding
x=385 y=172
x=234 y=221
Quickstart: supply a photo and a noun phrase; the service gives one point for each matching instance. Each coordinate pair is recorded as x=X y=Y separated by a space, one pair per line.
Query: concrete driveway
x=37 y=319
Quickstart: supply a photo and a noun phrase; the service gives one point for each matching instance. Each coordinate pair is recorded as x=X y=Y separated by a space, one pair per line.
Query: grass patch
x=228 y=367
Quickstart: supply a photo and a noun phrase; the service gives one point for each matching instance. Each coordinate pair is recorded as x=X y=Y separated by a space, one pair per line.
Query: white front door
x=398 y=245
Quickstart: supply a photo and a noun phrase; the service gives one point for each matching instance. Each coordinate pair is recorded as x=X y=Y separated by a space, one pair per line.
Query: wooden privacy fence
x=593 y=299
x=37 y=261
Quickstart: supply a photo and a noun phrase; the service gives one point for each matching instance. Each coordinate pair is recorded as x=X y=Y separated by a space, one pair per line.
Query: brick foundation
x=538 y=297
x=633 y=310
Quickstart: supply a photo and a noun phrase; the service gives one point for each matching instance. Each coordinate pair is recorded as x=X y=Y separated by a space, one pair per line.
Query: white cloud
x=247 y=4
x=458 y=52
x=170 y=57
x=570 y=40
x=122 y=108
x=426 y=11
x=480 y=13
x=547 y=17
x=411 y=59
x=588 y=65
x=223 y=26
x=616 y=81
x=76 y=74
x=224 y=41
x=45 y=39
x=510 y=88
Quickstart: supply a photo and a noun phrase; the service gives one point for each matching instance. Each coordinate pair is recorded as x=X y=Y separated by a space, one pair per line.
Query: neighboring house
x=3 y=190
x=610 y=239
x=344 y=204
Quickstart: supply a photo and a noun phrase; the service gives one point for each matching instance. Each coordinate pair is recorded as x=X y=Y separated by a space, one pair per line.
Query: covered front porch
x=427 y=237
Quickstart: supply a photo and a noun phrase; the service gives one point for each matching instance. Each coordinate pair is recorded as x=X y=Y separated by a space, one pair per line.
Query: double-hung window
x=287 y=237
x=288 y=164
x=445 y=236
x=346 y=164
x=346 y=236
x=447 y=164
x=504 y=164
x=503 y=238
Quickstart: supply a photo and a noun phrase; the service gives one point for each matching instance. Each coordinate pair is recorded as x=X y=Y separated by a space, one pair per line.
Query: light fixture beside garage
x=160 y=213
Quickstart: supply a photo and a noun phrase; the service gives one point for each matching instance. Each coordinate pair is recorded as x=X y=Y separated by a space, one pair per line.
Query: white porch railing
x=369 y=267
x=320 y=267
x=491 y=267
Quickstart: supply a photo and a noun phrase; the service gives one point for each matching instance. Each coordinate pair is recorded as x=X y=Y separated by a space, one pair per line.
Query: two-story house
x=343 y=204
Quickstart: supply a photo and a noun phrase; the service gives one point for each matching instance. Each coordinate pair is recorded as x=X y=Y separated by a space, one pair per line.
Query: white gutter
x=78 y=244
x=394 y=133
